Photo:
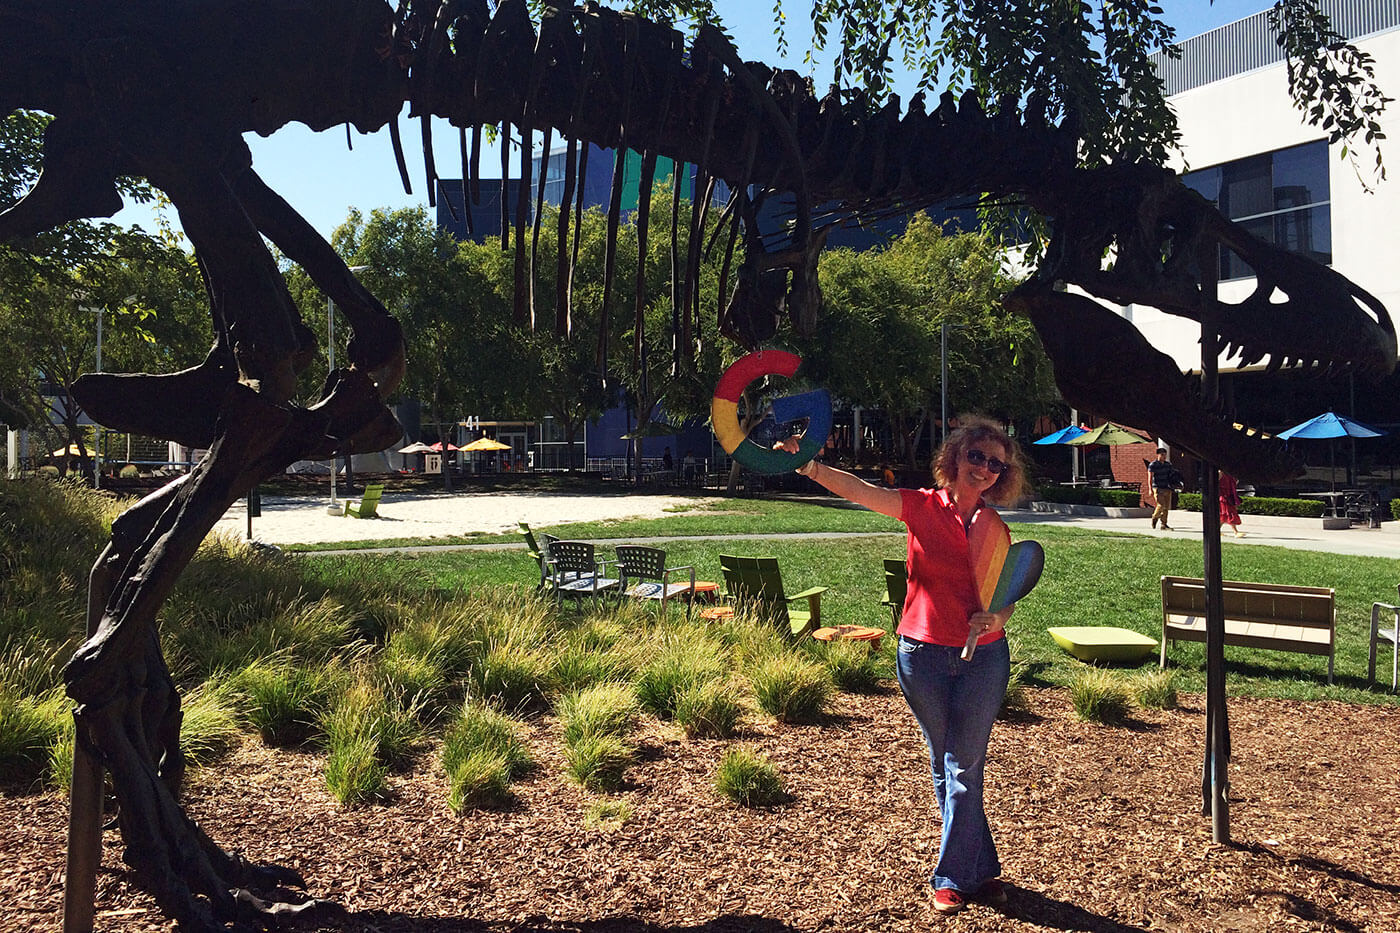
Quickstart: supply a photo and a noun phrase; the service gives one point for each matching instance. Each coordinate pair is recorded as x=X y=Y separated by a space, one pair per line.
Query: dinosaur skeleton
x=166 y=88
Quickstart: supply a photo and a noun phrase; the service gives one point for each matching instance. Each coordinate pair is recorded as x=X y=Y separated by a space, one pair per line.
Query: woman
x=955 y=701
x=1230 y=502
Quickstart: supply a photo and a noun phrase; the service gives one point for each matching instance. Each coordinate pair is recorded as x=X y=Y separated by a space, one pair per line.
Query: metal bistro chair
x=1391 y=635
x=573 y=570
x=645 y=575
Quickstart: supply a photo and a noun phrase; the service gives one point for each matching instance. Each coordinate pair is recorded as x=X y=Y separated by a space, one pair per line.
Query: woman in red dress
x=1230 y=503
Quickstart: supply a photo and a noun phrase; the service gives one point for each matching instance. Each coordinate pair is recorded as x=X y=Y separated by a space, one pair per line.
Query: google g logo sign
x=815 y=406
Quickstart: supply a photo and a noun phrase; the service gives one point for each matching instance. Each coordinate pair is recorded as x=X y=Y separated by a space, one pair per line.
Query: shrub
x=749 y=779
x=479 y=781
x=791 y=689
x=709 y=710
x=1100 y=696
x=353 y=773
x=603 y=709
x=680 y=665
x=598 y=762
x=1155 y=689
x=1089 y=495
x=129 y=472
x=1395 y=509
x=480 y=730
x=1260 y=505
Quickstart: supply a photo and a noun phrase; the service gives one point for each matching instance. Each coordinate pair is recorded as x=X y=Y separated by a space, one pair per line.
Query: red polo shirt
x=942 y=592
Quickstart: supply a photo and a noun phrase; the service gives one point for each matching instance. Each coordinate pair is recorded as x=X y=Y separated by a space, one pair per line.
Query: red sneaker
x=948 y=901
x=992 y=892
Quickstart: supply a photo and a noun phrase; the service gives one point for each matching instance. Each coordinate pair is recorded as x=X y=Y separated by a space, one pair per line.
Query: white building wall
x=1252 y=113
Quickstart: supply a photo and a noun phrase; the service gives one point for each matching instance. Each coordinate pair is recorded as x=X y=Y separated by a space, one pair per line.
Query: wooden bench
x=1257 y=615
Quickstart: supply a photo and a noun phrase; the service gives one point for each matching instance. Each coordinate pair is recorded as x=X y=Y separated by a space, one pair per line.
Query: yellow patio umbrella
x=486 y=443
x=72 y=450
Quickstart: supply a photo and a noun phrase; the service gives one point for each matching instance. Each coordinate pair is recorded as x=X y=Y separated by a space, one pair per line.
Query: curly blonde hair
x=973 y=429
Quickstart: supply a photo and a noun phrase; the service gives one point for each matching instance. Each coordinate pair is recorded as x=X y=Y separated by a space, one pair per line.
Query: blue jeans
x=956 y=702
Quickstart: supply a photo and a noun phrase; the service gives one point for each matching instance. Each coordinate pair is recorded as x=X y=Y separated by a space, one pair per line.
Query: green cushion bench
x=1103 y=642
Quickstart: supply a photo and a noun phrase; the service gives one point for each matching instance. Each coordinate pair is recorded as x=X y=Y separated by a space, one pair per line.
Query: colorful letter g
x=815 y=406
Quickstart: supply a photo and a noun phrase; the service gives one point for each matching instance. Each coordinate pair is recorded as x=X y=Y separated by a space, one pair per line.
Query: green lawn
x=1091 y=578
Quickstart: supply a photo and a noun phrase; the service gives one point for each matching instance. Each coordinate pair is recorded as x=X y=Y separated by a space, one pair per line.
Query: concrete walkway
x=1305 y=534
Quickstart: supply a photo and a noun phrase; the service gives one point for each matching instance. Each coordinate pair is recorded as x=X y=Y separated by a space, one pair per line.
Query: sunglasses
x=979 y=459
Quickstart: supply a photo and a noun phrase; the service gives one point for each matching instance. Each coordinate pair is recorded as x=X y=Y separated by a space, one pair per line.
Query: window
x=1282 y=197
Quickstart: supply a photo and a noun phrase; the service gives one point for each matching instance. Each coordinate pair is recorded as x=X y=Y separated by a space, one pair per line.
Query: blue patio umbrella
x=1062 y=436
x=1325 y=427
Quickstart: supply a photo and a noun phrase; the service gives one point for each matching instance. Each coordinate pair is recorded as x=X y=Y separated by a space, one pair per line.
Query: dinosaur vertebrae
x=621 y=81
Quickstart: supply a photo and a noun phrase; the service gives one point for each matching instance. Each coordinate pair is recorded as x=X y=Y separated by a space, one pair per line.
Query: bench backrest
x=1303 y=606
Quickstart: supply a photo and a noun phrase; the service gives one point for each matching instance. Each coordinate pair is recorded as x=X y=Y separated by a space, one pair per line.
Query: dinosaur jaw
x=1103 y=364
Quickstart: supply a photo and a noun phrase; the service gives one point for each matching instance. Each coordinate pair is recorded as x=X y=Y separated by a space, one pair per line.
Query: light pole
x=97 y=428
x=943 y=329
x=334 y=507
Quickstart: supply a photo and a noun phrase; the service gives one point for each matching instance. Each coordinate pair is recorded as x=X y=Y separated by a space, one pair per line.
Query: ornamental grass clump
x=603 y=709
x=510 y=676
x=482 y=753
x=607 y=816
x=209 y=724
x=749 y=779
x=709 y=710
x=681 y=663
x=599 y=762
x=1155 y=689
x=354 y=774
x=284 y=700
x=29 y=729
x=791 y=689
x=851 y=665
x=364 y=713
x=1100 y=696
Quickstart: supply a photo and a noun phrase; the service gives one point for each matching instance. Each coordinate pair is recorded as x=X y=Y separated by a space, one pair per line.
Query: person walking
x=954 y=701
x=1164 y=479
x=1230 y=503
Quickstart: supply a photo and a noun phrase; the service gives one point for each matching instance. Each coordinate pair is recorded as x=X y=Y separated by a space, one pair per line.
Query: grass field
x=290 y=646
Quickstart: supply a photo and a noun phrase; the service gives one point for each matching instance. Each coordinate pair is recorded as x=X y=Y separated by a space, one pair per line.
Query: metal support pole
x=332 y=507
x=1215 y=775
x=97 y=431
x=943 y=381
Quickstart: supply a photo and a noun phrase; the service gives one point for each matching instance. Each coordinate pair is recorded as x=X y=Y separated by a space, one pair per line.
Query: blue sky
x=322 y=179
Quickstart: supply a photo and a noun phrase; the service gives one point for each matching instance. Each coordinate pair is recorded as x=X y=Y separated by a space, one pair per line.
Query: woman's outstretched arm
x=848 y=485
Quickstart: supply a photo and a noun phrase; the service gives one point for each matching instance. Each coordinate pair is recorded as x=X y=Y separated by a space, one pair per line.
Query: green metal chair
x=645 y=575
x=572 y=569
x=896 y=586
x=757 y=582
x=368 y=506
x=535 y=549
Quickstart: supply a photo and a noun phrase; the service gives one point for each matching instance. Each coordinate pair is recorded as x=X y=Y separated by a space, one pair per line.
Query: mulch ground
x=1098 y=827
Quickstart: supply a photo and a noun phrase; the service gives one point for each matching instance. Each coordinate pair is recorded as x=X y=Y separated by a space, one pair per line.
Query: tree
x=453 y=317
x=146 y=287
x=1086 y=60
x=880 y=345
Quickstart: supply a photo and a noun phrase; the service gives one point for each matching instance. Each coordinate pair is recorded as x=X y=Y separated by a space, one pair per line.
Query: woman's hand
x=792 y=445
x=984 y=623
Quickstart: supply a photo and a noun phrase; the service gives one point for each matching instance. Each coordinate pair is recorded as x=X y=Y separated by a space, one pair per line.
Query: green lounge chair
x=896 y=586
x=757 y=581
x=368 y=506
